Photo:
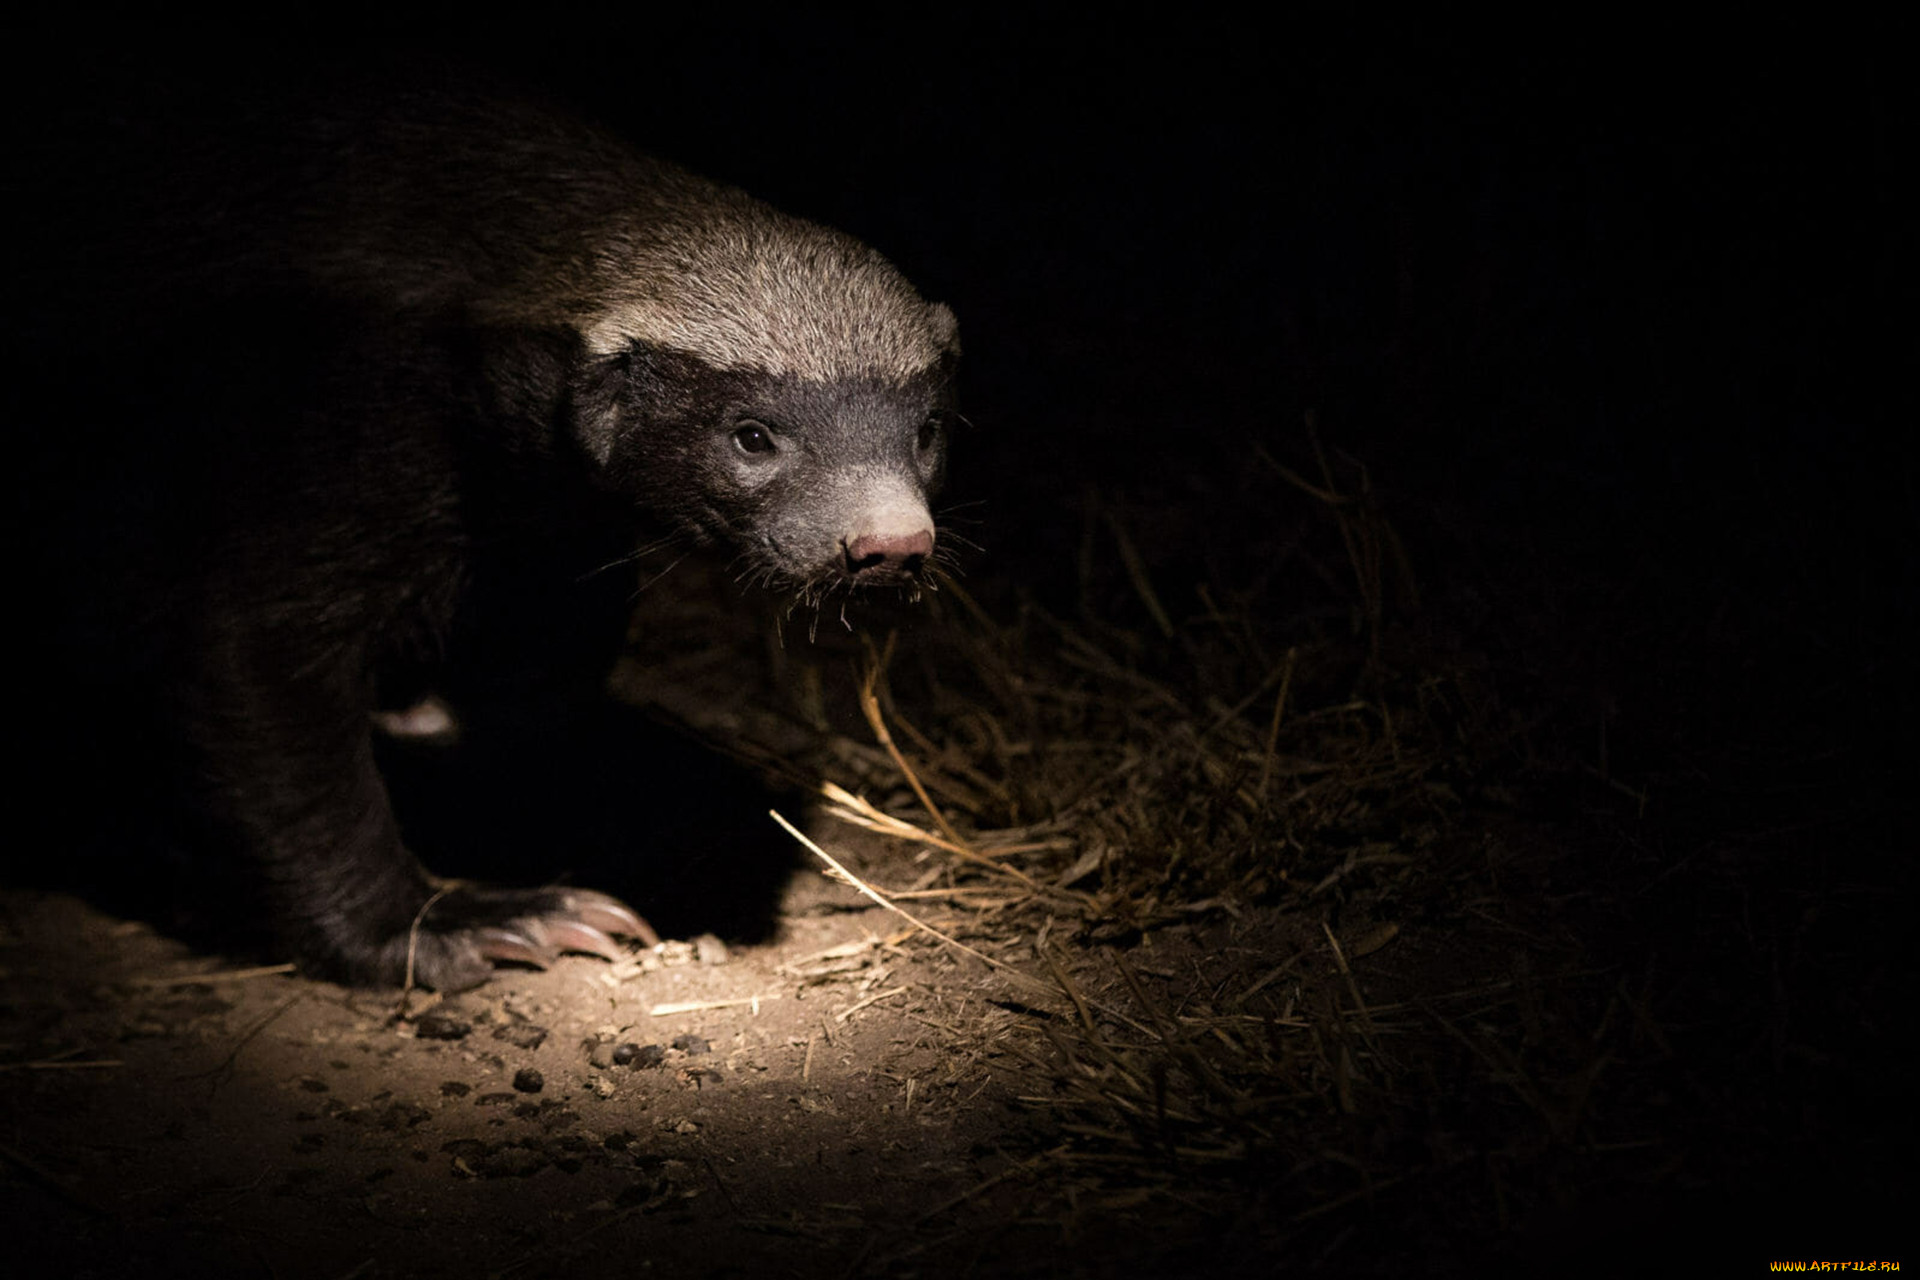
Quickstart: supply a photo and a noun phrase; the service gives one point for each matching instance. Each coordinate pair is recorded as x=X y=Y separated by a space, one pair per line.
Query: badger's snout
x=888 y=557
x=890 y=537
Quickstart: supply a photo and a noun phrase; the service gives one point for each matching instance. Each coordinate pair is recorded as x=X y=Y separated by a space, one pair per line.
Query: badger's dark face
x=818 y=484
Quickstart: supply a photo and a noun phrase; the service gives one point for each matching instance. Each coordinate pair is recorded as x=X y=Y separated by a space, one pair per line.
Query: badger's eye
x=753 y=437
x=929 y=434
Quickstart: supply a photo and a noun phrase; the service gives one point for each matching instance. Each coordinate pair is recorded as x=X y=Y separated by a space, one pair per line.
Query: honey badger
x=361 y=378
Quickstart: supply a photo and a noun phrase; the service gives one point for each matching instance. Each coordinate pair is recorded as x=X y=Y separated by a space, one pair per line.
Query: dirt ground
x=842 y=1100
x=809 y=1110
x=833 y=1102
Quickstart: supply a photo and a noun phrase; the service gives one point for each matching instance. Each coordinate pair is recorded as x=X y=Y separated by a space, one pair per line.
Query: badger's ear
x=594 y=402
x=538 y=383
x=946 y=329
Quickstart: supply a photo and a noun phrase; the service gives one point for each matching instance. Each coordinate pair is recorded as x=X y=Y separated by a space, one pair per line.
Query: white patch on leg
x=428 y=720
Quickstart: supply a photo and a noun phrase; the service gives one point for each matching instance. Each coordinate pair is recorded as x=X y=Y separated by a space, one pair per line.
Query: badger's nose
x=889 y=555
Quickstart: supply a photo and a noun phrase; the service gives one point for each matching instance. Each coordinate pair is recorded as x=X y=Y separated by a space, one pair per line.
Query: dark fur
x=265 y=493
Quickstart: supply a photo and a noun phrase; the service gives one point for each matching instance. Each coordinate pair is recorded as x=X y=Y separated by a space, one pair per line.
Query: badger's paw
x=467 y=929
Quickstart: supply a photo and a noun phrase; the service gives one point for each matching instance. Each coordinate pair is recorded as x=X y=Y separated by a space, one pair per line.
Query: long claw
x=571 y=935
x=477 y=927
x=498 y=943
x=610 y=915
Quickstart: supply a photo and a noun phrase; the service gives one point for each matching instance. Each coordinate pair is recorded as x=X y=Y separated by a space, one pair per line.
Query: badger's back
x=478 y=209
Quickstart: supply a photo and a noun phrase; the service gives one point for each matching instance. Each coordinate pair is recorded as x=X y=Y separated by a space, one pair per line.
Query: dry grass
x=1184 y=848
x=1242 y=847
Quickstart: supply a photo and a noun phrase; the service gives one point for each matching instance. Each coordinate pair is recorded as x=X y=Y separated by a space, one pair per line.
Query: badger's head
x=774 y=386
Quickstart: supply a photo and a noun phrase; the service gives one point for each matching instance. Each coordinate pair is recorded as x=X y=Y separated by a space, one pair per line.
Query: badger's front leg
x=285 y=776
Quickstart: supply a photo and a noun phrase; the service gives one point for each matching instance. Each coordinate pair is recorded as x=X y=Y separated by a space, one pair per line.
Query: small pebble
x=440 y=1026
x=521 y=1035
